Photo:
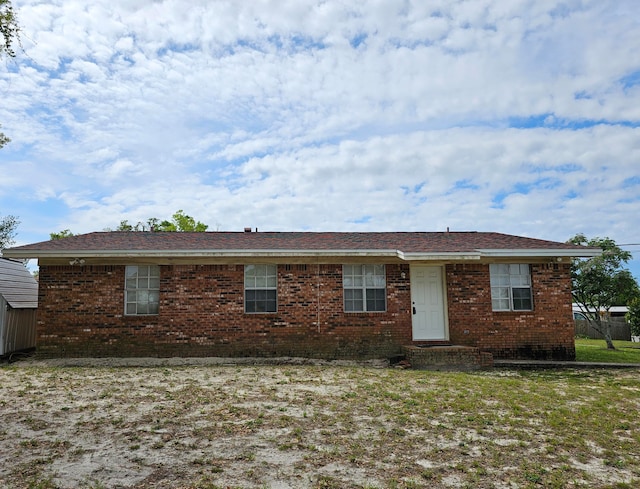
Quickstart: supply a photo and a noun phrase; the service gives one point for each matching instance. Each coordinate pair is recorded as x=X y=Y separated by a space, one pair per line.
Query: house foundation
x=447 y=357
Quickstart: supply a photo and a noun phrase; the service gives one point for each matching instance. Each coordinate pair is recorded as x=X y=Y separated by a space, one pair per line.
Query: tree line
x=179 y=222
x=9 y=37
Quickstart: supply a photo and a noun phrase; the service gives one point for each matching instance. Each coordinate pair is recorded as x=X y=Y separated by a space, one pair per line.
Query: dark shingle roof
x=405 y=242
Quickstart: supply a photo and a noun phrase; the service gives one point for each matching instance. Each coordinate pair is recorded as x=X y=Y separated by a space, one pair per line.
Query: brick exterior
x=547 y=332
x=81 y=313
x=202 y=314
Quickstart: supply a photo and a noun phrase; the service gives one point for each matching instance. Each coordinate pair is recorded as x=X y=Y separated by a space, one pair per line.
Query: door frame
x=445 y=308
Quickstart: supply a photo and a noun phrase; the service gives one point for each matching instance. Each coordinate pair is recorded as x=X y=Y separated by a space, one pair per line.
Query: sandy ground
x=213 y=423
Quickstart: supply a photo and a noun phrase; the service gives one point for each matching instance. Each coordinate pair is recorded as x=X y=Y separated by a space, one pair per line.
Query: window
x=142 y=290
x=364 y=288
x=260 y=288
x=510 y=287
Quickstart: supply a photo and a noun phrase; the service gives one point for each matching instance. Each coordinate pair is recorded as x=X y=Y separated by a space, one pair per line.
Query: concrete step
x=447 y=357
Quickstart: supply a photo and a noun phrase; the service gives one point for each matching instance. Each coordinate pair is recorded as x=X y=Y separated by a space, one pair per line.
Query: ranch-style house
x=332 y=295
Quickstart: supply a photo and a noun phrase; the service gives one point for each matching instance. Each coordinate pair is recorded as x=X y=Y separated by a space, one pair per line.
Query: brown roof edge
x=118 y=243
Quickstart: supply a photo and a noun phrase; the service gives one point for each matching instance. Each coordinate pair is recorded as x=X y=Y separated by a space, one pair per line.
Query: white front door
x=427 y=304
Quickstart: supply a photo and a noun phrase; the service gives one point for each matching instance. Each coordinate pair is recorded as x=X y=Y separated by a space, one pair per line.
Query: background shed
x=18 y=307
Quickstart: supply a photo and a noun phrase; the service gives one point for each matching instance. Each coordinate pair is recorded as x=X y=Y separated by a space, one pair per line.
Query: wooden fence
x=620 y=329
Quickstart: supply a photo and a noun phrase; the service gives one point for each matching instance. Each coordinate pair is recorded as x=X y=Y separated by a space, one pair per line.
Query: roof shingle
x=406 y=242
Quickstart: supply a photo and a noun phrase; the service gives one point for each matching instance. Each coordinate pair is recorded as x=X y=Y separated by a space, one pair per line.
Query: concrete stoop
x=447 y=357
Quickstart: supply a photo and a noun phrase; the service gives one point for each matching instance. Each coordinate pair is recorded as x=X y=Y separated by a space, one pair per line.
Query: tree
x=601 y=282
x=8 y=225
x=633 y=316
x=125 y=226
x=66 y=233
x=9 y=29
x=180 y=222
x=3 y=139
x=9 y=35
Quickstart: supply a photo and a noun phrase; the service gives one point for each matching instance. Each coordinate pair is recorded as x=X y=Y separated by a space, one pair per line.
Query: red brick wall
x=81 y=313
x=547 y=332
x=202 y=314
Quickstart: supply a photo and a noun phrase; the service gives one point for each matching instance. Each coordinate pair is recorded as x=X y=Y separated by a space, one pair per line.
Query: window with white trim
x=141 y=290
x=365 y=288
x=260 y=288
x=510 y=287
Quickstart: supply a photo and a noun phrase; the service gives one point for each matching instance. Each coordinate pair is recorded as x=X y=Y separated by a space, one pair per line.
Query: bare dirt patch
x=198 y=423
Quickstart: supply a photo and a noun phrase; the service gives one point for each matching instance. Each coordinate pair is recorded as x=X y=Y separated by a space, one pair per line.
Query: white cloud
x=326 y=115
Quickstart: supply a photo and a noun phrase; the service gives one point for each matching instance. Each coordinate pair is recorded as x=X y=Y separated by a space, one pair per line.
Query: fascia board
x=441 y=256
x=405 y=256
x=196 y=253
x=541 y=253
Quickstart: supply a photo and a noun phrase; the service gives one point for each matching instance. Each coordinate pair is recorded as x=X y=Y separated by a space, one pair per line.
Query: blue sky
x=519 y=117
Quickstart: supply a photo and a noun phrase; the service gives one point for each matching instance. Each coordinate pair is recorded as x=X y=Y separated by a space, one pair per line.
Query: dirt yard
x=203 y=424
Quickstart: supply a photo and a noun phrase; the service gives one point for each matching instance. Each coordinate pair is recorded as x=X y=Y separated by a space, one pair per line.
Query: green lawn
x=596 y=351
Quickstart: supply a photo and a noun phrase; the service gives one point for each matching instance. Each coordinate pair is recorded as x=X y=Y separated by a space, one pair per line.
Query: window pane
x=250 y=301
x=499 y=293
x=271 y=304
x=369 y=272
x=364 y=288
x=499 y=269
x=511 y=287
x=260 y=288
x=376 y=300
x=353 y=300
x=522 y=299
x=348 y=270
x=379 y=282
x=374 y=276
x=142 y=294
x=501 y=280
x=500 y=304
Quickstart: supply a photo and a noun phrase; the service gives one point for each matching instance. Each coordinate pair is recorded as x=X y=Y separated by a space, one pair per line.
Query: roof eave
x=266 y=253
x=540 y=253
x=439 y=256
x=241 y=253
x=410 y=256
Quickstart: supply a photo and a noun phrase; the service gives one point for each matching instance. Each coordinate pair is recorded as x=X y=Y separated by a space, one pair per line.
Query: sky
x=520 y=116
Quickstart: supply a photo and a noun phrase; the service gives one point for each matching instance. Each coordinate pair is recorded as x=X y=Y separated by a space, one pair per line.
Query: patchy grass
x=317 y=427
x=596 y=351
